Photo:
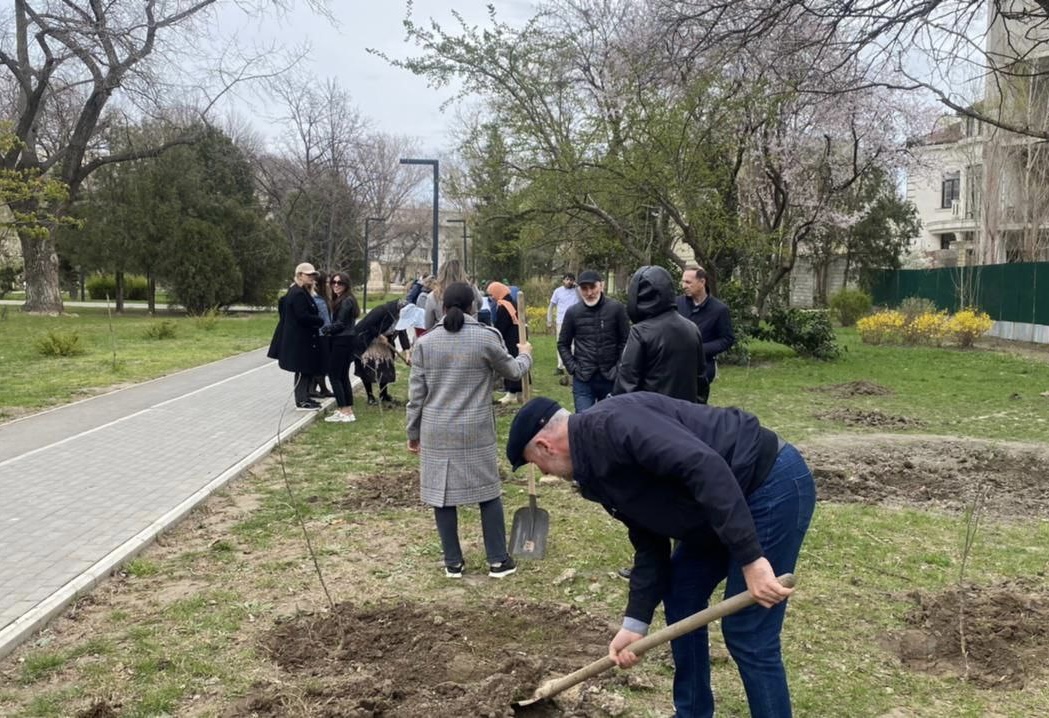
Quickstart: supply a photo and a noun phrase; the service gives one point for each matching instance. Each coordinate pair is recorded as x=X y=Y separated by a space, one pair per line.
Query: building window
x=950 y=190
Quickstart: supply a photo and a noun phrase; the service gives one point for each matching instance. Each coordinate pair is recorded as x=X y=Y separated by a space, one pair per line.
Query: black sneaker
x=454 y=571
x=503 y=569
x=372 y=401
x=624 y=573
x=307 y=406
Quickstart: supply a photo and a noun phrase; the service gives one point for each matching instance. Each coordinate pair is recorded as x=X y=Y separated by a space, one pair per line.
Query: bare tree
x=309 y=181
x=68 y=64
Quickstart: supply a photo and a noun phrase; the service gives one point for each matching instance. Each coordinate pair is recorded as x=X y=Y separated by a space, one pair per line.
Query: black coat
x=664 y=353
x=599 y=332
x=295 y=340
x=715 y=326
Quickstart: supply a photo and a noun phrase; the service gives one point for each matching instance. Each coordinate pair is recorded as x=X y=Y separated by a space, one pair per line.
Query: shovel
x=531 y=524
x=530 y=527
x=640 y=647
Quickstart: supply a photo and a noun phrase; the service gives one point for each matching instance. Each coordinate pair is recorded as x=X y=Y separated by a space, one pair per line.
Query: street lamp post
x=436 y=169
x=367 y=265
x=463 y=223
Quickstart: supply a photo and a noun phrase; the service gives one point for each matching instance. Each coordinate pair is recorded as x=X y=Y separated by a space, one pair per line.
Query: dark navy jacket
x=715 y=327
x=667 y=469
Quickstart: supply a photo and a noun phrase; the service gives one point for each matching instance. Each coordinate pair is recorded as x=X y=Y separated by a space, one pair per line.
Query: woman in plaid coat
x=452 y=427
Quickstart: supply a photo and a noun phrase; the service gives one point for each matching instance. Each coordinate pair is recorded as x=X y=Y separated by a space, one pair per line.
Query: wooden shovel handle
x=642 y=646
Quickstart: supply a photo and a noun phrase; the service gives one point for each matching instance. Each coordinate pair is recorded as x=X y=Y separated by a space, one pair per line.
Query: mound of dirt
x=98 y=709
x=397 y=489
x=931 y=471
x=438 y=661
x=854 y=388
x=873 y=418
x=1004 y=630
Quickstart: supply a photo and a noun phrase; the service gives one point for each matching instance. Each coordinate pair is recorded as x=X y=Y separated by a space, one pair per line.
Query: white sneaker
x=337 y=417
x=508 y=399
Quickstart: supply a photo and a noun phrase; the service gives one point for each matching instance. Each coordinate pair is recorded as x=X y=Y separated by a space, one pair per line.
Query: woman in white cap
x=295 y=341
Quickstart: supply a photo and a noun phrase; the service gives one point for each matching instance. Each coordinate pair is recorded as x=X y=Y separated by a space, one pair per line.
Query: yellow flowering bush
x=537 y=320
x=929 y=327
x=926 y=328
x=881 y=327
x=967 y=325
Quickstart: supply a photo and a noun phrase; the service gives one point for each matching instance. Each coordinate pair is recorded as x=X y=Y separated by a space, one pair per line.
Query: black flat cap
x=528 y=422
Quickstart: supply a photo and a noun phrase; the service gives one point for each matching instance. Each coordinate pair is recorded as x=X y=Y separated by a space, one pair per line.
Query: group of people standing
x=671 y=348
x=320 y=334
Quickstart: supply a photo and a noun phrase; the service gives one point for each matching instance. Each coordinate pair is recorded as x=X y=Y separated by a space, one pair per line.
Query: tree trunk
x=119 y=300
x=151 y=291
x=43 y=293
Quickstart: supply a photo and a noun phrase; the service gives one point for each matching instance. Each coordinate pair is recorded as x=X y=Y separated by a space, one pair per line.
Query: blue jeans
x=589 y=392
x=782 y=509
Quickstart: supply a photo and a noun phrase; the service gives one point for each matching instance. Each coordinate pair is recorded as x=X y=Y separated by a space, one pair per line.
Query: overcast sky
x=393 y=99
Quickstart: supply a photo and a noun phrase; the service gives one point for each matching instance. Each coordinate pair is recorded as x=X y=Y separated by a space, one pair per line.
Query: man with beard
x=591 y=341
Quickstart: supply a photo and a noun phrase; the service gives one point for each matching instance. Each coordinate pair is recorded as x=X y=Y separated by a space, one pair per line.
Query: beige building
x=982 y=192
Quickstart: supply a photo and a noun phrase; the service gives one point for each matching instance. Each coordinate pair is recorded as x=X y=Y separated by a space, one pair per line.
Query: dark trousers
x=339 y=374
x=302 y=388
x=493 y=528
x=782 y=509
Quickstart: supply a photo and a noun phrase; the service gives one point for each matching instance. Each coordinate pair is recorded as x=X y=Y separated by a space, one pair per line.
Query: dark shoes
x=503 y=569
x=323 y=394
x=372 y=401
x=309 y=405
x=499 y=570
x=624 y=573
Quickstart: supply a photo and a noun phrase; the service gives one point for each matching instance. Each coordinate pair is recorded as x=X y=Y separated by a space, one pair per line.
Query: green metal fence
x=1008 y=292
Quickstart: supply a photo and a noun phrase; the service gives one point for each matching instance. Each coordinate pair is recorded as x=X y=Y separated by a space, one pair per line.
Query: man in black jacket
x=598 y=326
x=736 y=497
x=708 y=313
x=664 y=352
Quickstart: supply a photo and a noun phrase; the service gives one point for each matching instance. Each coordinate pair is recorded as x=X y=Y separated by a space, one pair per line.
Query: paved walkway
x=85 y=486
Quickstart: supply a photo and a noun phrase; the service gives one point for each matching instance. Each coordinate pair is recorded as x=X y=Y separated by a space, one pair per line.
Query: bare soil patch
x=868 y=418
x=942 y=472
x=1005 y=629
x=99 y=709
x=439 y=661
x=395 y=489
x=854 y=388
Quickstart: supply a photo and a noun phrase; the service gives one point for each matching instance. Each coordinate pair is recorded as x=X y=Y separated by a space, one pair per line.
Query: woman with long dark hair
x=506 y=321
x=344 y=312
x=451 y=424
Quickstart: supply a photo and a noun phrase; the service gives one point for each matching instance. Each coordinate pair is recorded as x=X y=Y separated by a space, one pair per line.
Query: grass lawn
x=115 y=352
x=181 y=631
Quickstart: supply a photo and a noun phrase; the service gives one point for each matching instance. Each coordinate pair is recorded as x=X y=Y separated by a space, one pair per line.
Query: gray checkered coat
x=450 y=411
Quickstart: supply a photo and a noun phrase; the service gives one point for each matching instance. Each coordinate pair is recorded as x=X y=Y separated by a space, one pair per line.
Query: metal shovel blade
x=529 y=530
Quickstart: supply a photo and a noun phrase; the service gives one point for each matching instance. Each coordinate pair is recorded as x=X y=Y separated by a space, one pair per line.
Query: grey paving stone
x=79 y=481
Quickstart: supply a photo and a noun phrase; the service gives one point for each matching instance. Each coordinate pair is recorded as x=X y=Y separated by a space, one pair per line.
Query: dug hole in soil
x=996 y=636
x=410 y=661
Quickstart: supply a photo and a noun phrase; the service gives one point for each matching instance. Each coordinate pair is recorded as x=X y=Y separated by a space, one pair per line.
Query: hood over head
x=651 y=293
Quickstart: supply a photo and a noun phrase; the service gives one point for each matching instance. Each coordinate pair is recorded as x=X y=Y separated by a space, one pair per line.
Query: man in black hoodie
x=736 y=497
x=592 y=338
x=664 y=352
